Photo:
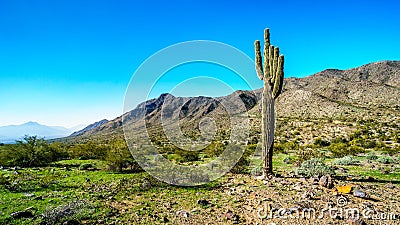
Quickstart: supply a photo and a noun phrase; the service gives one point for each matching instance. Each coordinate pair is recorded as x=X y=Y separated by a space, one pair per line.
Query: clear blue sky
x=69 y=62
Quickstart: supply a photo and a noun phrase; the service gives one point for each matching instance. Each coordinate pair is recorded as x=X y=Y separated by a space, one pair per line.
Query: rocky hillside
x=89 y=127
x=367 y=93
x=369 y=90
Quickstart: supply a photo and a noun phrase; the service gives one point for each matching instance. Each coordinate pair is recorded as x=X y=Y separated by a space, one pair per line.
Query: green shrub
x=251 y=148
x=85 y=166
x=257 y=171
x=345 y=161
x=71 y=211
x=29 y=152
x=279 y=148
x=214 y=149
x=380 y=146
x=397 y=139
x=187 y=156
x=306 y=153
x=344 y=149
x=339 y=149
x=371 y=156
x=4 y=180
x=385 y=160
x=287 y=160
x=339 y=140
x=356 y=135
x=291 y=146
x=241 y=167
x=314 y=167
x=232 y=152
x=119 y=157
x=321 y=143
x=369 y=144
x=391 y=151
x=88 y=150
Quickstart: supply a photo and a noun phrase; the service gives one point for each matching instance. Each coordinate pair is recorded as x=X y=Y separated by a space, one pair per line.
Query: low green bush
x=345 y=161
x=119 y=157
x=314 y=167
x=321 y=143
x=391 y=151
x=371 y=156
x=71 y=211
x=187 y=156
x=385 y=160
x=257 y=171
x=287 y=160
x=88 y=150
x=344 y=149
x=306 y=153
x=241 y=167
x=85 y=166
x=215 y=149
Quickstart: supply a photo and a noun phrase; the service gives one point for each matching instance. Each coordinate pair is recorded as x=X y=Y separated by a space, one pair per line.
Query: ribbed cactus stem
x=271 y=62
x=275 y=63
x=267 y=37
x=266 y=53
x=278 y=83
x=272 y=74
x=259 y=68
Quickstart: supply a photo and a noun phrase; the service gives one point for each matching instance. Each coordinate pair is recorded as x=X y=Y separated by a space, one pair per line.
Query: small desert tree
x=28 y=152
x=271 y=72
x=118 y=157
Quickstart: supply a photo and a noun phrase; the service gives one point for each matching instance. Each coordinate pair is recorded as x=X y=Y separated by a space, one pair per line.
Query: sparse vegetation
x=371 y=156
x=314 y=167
x=385 y=160
x=345 y=161
x=71 y=212
x=307 y=153
x=98 y=169
x=70 y=190
x=88 y=150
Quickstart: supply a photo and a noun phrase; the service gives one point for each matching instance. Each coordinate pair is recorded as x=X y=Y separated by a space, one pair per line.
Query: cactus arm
x=259 y=68
x=279 y=78
x=267 y=44
x=275 y=64
x=271 y=64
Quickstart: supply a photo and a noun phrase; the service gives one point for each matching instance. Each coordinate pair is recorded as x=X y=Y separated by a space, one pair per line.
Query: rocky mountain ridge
x=371 y=91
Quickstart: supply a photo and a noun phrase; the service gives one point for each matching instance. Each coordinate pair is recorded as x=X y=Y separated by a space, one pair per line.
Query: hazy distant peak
x=11 y=133
x=31 y=123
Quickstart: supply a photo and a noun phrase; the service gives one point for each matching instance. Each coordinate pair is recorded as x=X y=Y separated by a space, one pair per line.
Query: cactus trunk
x=272 y=75
x=268 y=129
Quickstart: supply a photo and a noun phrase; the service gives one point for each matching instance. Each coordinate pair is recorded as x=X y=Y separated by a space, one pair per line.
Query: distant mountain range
x=371 y=91
x=8 y=134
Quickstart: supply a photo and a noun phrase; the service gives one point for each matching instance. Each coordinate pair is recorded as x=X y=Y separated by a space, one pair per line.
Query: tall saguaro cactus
x=271 y=72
